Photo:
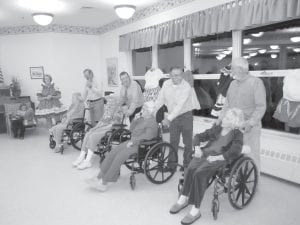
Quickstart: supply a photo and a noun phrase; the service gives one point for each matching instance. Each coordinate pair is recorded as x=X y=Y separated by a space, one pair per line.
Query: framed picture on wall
x=112 y=71
x=36 y=72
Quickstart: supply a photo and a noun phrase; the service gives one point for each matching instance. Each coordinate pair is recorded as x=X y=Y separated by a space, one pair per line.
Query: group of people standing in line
x=238 y=124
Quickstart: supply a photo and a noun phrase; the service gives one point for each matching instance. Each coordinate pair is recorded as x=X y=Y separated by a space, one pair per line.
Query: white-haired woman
x=75 y=111
x=143 y=128
x=224 y=144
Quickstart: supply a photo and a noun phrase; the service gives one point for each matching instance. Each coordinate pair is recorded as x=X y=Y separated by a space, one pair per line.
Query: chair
x=10 y=109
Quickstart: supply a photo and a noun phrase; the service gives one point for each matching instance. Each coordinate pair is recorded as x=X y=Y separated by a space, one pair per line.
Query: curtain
x=236 y=15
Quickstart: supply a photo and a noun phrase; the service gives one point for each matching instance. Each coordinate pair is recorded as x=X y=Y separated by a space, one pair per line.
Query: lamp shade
x=125 y=11
x=42 y=19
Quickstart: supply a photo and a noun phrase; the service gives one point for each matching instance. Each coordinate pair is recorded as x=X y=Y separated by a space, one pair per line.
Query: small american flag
x=1 y=77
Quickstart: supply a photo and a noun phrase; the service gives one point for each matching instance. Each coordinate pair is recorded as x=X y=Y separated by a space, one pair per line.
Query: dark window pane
x=273 y=47
x=211 y=53
x=170 y=55
x=141 y=61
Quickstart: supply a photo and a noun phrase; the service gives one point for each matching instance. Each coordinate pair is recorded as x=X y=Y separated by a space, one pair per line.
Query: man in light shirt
x=247 y=93
x=93 y=95
x=130 y=95
x=176 y=94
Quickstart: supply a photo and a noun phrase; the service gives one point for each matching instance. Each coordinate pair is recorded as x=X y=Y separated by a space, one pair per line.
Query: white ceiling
x=66 y=12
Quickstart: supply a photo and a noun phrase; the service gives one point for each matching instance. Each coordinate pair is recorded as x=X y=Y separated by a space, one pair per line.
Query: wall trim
x=56 y=28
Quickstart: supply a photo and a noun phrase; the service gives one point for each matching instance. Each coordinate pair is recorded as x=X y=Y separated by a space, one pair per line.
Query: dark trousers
x=96 y=110
x=137 y=110
x=196 y=179
x=18 y=128
x=182 y=124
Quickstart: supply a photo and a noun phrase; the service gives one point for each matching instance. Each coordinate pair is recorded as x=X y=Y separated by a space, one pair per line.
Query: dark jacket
x=231 y=151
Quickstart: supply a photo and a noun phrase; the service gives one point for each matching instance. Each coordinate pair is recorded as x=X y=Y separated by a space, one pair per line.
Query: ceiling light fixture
x=295 y=39
x=125 y=11
x=262 y=51
x=296 y=50
x=252 y=54
x=196 y=44
x=273 y=56
x=247 y=41
x=259 y=34
x=274 y=47
x=43 y=19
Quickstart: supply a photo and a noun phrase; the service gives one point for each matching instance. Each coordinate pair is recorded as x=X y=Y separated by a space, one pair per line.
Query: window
x=274 y=47
x=141 y=61
x=170 y=55
x=211 y=53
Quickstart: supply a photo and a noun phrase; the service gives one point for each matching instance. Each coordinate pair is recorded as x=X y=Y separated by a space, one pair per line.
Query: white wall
x=63 y=56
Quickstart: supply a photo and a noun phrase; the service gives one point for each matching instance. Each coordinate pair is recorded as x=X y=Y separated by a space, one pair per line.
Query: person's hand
x=198 y=152
x=218 y=122
x=89 y=85
x=129 y=144
x=166 y=122
x=212 y=158
x=247 y=127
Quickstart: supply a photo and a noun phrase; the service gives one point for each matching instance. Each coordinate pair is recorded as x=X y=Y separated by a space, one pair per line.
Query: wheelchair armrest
x=119 y=126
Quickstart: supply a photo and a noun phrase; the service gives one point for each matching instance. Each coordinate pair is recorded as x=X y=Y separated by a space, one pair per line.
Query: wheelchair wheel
x=215 y=208
x=77 y=134
x=158 y=166
x=242 y=182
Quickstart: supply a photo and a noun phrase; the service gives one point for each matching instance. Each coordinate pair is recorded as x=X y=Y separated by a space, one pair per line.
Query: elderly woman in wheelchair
x=75 y=111
x=143 y=128
x=223 y=148
x=112 y=115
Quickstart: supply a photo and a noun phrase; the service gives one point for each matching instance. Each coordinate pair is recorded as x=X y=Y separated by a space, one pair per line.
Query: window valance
x=236 y=15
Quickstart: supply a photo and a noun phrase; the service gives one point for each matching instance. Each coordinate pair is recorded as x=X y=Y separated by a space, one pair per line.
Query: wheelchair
x=73 y=134
x=237 y=179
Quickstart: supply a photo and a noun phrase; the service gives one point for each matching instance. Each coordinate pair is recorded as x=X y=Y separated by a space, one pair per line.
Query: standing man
x=93 y=95
x=130 y=95
x=176 y=95
x=247 y=93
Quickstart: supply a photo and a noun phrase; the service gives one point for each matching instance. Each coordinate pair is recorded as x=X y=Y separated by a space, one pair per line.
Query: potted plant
x=15 y=87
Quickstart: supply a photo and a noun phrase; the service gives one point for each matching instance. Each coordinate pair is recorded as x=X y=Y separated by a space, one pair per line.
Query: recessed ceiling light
x=219 y=57
x=274 y=56
x=274 y=47
x=252 y=54
x=196 y=44
x=42 y=19
x=262 y=51
x=296 y=50
x=259 y=34
x=295 y=39
x=230 y=48
x=222 y=55
x=247 y=41
x=246 y=57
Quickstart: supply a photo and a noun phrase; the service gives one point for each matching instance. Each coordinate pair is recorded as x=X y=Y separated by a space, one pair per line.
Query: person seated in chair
x=112 y=115
x=143 y=128
x=20 y=119
x=224 y=144
x=75 y=111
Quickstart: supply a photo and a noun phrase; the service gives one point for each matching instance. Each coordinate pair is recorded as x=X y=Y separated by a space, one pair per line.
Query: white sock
x=89 y=155
x=194 y=211
x=182 y=200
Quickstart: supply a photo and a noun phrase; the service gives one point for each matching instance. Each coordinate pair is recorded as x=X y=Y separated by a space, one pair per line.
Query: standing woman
x=93 y=96
x=49 y=105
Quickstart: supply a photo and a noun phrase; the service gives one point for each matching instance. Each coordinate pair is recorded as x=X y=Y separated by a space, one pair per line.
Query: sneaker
x=97 y=184
x=176 y=208
x=77 y=161
x=189 y=219
x=84 y=165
